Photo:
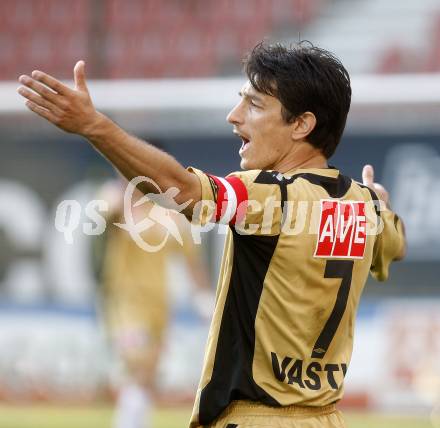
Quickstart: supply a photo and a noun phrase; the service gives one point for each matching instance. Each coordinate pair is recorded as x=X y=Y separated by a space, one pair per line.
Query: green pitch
x=100 y=417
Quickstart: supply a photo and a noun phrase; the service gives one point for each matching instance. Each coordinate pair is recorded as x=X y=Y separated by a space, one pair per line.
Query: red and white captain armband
x=232 y=199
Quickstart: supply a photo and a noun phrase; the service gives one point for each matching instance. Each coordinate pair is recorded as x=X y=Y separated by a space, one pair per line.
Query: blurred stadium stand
x=141 y=38
x=380 y=36
x=153 y=38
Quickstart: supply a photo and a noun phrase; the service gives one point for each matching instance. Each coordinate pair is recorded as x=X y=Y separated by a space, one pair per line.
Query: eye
x=254 y=105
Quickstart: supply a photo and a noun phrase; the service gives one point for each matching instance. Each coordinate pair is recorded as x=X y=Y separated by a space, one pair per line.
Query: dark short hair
x=304 y=78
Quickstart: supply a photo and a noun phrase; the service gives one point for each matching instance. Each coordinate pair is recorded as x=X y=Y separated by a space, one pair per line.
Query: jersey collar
x=331 y=171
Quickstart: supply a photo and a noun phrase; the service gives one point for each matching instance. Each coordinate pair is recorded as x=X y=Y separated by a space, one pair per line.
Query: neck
x=303 y=157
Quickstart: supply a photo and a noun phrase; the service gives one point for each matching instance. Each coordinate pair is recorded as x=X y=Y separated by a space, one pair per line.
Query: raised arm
x=72 y=110
x=382 y=193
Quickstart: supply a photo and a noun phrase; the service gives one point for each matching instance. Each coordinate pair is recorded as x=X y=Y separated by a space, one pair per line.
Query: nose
x=235 y=116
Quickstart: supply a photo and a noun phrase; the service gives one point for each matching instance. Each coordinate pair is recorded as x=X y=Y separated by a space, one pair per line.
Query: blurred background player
x=136 y=299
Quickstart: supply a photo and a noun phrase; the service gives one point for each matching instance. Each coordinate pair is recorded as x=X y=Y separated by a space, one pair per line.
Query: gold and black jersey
x=298 y=252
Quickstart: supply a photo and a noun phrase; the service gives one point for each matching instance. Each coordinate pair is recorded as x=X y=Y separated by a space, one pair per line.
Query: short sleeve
x=208 y=190
x=223 y=198
x=239 y=200
x=388 y=246
x=205 y=208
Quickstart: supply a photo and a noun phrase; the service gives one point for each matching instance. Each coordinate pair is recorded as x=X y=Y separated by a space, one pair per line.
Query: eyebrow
x=251 y=96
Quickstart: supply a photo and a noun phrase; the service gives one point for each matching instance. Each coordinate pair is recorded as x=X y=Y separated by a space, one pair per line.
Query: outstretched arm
x=72 y=110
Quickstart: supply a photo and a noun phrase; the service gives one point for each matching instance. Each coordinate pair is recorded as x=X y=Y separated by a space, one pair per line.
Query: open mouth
x=244 y=141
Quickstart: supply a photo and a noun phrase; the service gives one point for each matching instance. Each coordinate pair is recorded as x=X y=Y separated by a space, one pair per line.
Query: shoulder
x=246 y=177
x=258 y=176
x=258 y=183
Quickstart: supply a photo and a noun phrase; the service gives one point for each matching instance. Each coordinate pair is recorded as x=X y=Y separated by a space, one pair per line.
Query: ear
x=303 y=126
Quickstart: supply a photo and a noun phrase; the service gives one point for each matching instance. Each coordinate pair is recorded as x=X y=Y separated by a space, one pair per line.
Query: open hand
x=69 y=109
x=368 y=180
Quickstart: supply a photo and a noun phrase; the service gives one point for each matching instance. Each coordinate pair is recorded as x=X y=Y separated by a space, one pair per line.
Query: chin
x=245 y=164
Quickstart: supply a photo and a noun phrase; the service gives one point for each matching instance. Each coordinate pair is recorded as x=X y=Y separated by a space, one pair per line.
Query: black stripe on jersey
x=274 y=177
x=232 y=372
x=374 y=198
x=336 y=187
x=396 y=220
x=214 y=187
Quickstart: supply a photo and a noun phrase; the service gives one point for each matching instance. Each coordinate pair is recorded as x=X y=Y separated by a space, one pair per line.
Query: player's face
x=265 y=137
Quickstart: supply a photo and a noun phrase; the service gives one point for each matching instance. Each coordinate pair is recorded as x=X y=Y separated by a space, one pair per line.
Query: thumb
x=368 y=175
x=80 y=76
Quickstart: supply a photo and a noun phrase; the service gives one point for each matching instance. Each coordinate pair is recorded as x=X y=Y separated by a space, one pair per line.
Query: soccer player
x=136 y=300
x=300 y=243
